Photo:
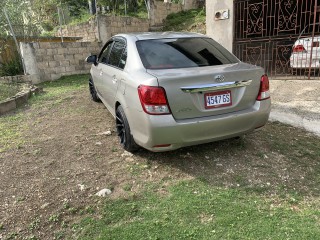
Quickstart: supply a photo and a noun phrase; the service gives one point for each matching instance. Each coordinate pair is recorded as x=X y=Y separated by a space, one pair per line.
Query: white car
x=301 y=53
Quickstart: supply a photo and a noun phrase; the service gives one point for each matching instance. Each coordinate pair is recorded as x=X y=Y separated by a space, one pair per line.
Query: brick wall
x=50 y=60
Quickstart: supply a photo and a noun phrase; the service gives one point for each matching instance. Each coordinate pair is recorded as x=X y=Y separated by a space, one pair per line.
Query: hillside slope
x=191 y=21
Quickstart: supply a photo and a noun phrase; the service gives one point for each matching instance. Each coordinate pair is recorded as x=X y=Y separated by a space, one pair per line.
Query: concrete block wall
x=16 y=79
x=46 y=61
x=190 y=4
x=86 y=30
x=112 y=25
x=160 y=10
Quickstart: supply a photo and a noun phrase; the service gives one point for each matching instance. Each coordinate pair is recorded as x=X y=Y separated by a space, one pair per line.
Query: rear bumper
x=160 y=130
x=302 y=61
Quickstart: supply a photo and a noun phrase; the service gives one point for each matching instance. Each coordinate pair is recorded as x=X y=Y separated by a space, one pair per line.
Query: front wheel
x=93 y=91
x=123 y=130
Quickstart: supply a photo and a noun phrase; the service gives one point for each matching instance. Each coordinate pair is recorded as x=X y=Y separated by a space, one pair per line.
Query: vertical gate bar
x=266 y=50
x=263 y=20
x=316 y=72
x=234 y=25
x=313 y=32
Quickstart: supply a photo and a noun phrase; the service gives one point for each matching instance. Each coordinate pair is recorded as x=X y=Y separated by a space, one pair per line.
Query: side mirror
x=92 y=59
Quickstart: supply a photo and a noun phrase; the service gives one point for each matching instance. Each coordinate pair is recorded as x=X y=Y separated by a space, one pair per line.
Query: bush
x=11 y=68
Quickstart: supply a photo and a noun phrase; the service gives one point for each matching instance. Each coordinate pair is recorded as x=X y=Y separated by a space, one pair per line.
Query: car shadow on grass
x=279 y=159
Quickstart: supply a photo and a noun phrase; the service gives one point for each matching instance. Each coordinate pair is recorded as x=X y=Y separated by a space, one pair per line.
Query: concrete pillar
x=103 y=28
x=29 y=60
x=220 y=30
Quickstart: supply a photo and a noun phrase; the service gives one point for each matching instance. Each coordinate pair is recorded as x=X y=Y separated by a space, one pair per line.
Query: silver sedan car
x=171 y=90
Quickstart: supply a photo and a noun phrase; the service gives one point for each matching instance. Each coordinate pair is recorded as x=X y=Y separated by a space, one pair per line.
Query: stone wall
x=87 y=30
x=50 y=60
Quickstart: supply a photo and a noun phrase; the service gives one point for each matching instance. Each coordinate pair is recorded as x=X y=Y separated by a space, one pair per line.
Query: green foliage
x=135 y=8
x=33 y=17
x=11 y=68
x=15 y=10
x=76 y=7
x=84 y=17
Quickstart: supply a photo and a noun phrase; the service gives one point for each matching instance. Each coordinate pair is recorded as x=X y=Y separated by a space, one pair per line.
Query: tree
x=15 y=10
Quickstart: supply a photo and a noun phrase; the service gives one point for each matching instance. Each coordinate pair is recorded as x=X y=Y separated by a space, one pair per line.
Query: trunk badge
x=219 y=78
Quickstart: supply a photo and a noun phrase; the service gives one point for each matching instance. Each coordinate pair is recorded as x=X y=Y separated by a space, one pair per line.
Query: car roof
x=160 y=35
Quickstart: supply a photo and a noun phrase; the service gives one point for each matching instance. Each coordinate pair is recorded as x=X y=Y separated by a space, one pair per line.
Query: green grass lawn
x=197 y=210
x=8 y=90
x=12 y=125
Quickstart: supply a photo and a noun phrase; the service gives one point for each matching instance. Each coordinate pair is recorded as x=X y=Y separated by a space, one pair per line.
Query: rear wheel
x=93 y=91
x=124 y=133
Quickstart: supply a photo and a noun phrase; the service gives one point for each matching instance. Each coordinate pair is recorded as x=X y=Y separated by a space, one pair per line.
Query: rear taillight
x=264 y=92
x=153 y=100
x=299 y=48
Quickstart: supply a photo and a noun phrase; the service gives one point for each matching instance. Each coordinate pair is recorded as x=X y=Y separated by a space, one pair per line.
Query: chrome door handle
x=101 y=73
x=114 y=79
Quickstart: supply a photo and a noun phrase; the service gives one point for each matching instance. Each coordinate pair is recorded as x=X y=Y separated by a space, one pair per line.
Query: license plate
x=217 y=99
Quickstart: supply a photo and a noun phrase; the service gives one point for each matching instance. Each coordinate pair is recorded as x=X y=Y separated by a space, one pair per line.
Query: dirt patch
x=49 y=182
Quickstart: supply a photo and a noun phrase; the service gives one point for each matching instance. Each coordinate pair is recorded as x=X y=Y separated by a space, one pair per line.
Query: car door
x=97 y=71
x=112 y=72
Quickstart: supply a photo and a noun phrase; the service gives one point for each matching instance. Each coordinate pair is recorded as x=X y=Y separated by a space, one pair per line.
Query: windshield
x=183 y=53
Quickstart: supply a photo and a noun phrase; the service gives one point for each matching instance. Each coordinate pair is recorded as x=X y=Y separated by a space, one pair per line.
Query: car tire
x=123 y=131
x=93 y=91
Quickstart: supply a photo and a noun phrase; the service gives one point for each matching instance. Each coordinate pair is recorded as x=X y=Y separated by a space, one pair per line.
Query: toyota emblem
x=219 y=78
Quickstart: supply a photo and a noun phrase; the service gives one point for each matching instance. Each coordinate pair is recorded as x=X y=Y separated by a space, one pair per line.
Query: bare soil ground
x=48 y=180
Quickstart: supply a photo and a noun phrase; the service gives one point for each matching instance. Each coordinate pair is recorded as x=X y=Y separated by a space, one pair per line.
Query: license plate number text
x=218 y=99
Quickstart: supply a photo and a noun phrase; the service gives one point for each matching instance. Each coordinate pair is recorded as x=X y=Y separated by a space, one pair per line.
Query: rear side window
x=123 y=59
x=183 y=53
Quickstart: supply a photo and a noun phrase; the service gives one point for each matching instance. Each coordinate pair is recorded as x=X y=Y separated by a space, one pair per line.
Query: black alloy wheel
x=123 y=131
x=93 y=91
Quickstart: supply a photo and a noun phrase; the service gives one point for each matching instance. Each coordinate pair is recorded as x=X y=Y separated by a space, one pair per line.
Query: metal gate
x=265 y=33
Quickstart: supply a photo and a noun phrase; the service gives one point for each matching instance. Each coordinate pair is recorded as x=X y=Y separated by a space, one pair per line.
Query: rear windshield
x=183 y=53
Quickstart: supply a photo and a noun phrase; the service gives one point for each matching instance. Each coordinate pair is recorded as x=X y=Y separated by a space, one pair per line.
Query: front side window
x=103 y=57
x=183 y=53
x=116 y=54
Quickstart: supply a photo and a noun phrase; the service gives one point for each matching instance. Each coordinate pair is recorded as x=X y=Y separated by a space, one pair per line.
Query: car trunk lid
x=209 y=91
